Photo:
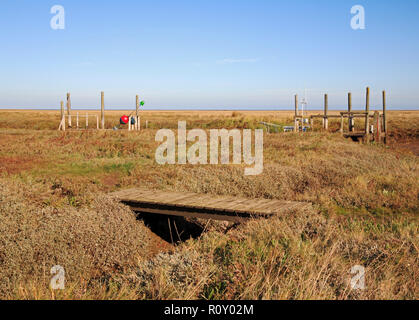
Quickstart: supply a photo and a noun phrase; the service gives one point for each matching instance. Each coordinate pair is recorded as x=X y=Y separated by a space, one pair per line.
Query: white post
x=62 y=123
x=97 y=122
x=77 y=120
x=129 y=123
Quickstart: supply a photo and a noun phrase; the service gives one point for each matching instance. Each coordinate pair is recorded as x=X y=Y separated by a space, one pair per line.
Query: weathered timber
x=326 y=110
x=102 y=109
x=385 y=124
x=204 y=206
x=367 y=118
x=296 y=125
x=351 y=120
x=69 y=109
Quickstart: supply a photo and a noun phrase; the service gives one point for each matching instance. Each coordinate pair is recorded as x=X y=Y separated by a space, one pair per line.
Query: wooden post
x=326 y=109
x=367 y=117
x=129 y=123
x=77 y=120
x=137 y=105
x=62 y=109
x=97 y=122
x=69 y=109
x=137 y=112
x=296 y=126
x=351 y=119
x=87 y=121
x=62 y=123
x=102 y=109
x=385 y=124
x=377 y=127
x=341 y=124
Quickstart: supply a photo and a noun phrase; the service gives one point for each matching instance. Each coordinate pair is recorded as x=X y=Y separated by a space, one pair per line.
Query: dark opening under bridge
x=204 y=206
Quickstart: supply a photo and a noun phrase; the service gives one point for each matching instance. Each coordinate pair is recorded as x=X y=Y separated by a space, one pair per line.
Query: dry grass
x=90 y=242
x=303 y=256
x=53 y=211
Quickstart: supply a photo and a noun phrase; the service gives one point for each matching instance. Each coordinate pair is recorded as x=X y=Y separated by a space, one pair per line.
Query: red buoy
x=124 y=119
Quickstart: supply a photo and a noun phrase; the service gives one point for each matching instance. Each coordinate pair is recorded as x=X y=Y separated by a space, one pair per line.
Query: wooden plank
x=261 y=205
x=170 y=198
x=221 y=204
x=210 y=202
x=254 y=204
x=203 y=205
x=233 y=205
x=354 y=112
x=321 y=116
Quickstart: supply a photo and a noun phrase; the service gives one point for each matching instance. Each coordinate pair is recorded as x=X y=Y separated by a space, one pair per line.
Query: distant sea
x=208 y=109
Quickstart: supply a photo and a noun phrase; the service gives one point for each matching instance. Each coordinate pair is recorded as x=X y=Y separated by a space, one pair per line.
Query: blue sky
x=201 y=54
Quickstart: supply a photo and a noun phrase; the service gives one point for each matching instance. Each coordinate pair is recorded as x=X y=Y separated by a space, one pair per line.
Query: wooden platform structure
x=375 y=127
x=204 y=206
x=66 y=119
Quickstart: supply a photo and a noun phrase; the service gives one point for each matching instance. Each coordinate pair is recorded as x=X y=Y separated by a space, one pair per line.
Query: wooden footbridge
x=204 y=206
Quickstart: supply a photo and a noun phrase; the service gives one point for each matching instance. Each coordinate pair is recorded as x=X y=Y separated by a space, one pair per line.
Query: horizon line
x=204 y=109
